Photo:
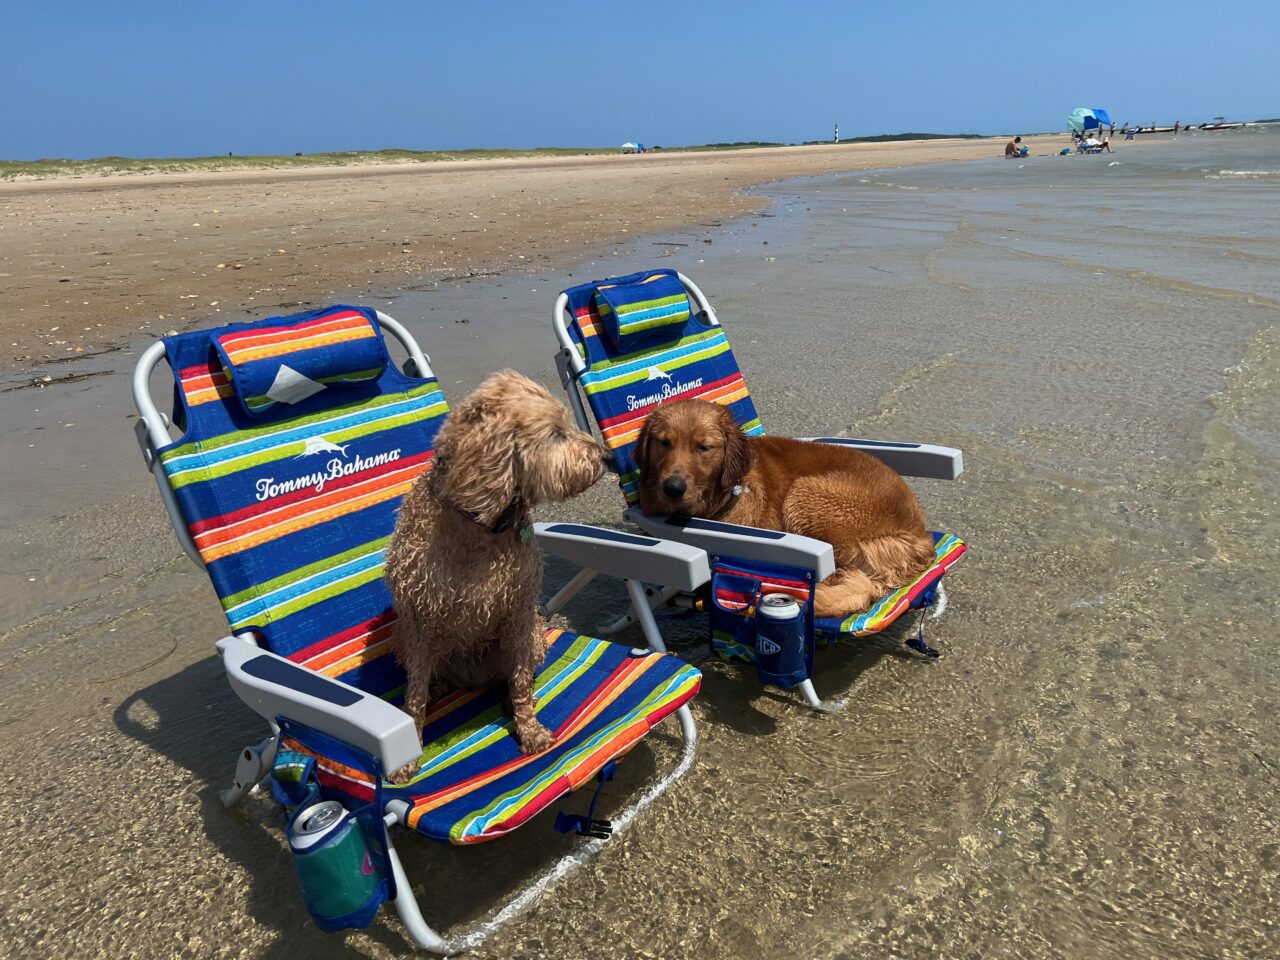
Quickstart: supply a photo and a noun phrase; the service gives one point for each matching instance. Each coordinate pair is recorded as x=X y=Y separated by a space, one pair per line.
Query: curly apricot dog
x=695 y=462
x=463 y=568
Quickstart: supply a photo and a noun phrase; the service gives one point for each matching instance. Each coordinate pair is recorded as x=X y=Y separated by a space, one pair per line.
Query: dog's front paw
x=535 y=738
x=405 y=773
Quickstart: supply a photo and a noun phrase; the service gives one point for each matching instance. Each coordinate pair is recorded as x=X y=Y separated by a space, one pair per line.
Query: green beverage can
x=335 y=870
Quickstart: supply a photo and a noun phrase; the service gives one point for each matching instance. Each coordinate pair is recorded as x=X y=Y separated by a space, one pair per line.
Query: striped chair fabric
x=292 y=509
x=693 y=360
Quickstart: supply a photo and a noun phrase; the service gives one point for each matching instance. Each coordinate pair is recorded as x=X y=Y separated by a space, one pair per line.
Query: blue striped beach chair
x=297 y=439
x=630 y=344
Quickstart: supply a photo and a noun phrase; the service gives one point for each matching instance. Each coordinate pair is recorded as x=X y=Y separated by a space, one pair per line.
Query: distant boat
x=1220 y=123
x=1156 y=129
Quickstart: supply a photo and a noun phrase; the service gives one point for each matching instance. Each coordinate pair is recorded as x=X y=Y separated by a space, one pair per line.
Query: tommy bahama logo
x=313 y=445
x=657 y=373
x=668 y=391
x=337 y=467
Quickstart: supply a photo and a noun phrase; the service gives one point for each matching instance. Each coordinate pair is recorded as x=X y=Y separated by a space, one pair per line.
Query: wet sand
x=1091 y=771
x=88 y=262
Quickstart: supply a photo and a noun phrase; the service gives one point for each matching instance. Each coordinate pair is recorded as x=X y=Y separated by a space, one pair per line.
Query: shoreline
x=90 y=263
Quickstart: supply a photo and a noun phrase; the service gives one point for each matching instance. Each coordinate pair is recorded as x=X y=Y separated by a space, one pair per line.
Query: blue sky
x=147 y=78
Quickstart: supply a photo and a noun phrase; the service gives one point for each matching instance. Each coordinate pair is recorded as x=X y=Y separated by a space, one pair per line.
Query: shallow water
x=1091 y=770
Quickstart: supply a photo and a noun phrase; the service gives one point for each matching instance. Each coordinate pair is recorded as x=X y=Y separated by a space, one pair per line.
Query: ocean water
x=1092 y=769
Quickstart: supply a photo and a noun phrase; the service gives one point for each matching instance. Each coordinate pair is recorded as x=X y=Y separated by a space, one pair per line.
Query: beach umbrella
x=1103 y=119
x=630 y=146
x=1081 y=119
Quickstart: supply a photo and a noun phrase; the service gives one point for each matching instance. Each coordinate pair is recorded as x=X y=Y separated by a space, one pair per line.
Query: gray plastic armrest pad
x=274 y=687
x=626 y=555
x=926 y=460
x=746 y=543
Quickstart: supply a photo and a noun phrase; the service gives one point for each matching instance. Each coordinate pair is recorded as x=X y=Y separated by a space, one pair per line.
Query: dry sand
x=88 y=262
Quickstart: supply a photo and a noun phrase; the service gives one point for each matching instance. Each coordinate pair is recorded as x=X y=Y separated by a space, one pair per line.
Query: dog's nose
x=674 y=487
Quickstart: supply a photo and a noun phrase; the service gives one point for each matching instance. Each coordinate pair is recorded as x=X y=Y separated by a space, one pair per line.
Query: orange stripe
x=622 y=682
x=302 y=343
x=214 y=535
x=232 y=542
x=348 y=647
x=632 y=735
x=357 y=659
x=236 y=342
x=326 y=763
x=208 y=395
x=206 y=387
x=621 y=434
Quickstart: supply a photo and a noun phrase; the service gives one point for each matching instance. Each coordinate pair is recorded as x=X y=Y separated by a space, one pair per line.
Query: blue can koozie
x=780 y=653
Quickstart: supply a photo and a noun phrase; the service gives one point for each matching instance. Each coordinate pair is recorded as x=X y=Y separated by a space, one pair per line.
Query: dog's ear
x=640 y=453
x=475 y=450
x=737 y=452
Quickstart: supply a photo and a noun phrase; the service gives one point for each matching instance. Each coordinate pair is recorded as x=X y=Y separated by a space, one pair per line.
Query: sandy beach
x=1089 y=772
x=88 y=262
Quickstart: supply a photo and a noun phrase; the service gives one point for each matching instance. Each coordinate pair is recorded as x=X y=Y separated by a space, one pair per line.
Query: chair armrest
x=746 y=543
x=274 y=687
x=909 y=459
x=626 y=555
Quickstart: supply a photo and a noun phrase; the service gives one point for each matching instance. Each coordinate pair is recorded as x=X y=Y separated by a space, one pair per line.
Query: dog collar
x=505 y=521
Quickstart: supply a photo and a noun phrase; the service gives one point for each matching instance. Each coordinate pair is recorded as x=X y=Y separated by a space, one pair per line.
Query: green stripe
x=335 y=589
x=542 y=694
x=288 y=451
x=649 y=304
x=639 y=326
x=571 y=759
x=670 y=366
x=358 y=376
x=301 y=573
x=251 y=433
x=603 y=365
x=944 y=548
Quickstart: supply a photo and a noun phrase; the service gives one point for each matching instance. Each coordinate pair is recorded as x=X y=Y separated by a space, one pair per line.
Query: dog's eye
x=558 y=435
x=704 y=448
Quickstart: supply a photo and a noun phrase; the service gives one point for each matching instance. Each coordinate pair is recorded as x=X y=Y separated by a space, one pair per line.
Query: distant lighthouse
x=837 y=139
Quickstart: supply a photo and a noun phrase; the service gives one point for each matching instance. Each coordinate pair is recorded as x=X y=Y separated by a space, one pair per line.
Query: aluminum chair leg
x=654 y=598
x=643 y=613
x=406 y=903
x=568 y=591
x=811 y=696
x=254 y=764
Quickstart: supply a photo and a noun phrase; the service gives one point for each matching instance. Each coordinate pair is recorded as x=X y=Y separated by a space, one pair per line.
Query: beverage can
x=315 y=823
x=778 y=606
x=780 y=641
x=334 y=864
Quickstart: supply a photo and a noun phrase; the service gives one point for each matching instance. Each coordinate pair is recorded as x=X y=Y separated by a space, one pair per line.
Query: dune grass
x=108 y=166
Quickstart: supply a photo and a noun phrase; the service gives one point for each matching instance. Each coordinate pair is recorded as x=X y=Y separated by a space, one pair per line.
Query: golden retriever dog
x=695 y=462
x=462 y=566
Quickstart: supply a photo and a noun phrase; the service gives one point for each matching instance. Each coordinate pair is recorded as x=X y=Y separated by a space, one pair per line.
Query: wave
x=1244 y=175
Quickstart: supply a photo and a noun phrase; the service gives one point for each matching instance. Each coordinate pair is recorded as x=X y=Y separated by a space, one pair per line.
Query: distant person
x=1014 y=148
x=1177 y=125
x=1113 y=128
x=1106 y=143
